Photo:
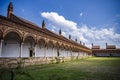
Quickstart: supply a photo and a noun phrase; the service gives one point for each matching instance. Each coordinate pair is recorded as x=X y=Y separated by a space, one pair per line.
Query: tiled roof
x=106 y=50
x=110 y=47
x=23 y=21
x=95 y=47
x=31 y=25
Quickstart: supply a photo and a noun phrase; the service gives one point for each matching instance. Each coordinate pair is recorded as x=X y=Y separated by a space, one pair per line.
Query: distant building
x=110 y=50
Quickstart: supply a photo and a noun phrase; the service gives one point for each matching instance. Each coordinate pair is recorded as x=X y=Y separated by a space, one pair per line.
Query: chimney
x=106 y=45
x=92 y=44
x=76 y=39
x=69 y=36
x=60 y=32
x=10 y=9
x=43 y=24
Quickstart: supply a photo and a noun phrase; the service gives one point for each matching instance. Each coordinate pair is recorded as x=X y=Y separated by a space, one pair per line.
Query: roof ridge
x=23 y=20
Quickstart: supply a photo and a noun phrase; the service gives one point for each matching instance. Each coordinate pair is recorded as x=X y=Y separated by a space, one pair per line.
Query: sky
x=90 y=21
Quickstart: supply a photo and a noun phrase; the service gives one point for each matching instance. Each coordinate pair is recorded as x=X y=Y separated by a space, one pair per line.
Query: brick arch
x=11 y=44
x=77 y=49
x=28 y=47
x=50 y=44
x=73 y=49
x=62 y=46
x=57 y=45
x=14 y=31
x=29 y=35
x=42 y=42
x=67 y=47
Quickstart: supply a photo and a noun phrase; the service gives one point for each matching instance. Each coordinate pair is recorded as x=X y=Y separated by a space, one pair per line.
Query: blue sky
x=96 y=21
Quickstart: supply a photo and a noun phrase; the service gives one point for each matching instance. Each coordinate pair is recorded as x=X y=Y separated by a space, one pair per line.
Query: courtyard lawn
x=94 y=68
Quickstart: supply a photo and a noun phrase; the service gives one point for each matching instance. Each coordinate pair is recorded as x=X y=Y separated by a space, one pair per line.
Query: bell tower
x=10 y=9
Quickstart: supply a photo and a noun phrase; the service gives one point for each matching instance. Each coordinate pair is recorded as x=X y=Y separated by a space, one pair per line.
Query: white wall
x=40 y=52
x=102 y=54
x=69 y=53
x=61 y=53
x=54 y=52
x=0 y=48
x=25 y=50
x=10 y=49
x=49 y=52
x=80 y=53
x=65 y=53
x=115 y=54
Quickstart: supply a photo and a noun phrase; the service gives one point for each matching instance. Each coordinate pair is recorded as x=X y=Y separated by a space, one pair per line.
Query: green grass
x=94 y=68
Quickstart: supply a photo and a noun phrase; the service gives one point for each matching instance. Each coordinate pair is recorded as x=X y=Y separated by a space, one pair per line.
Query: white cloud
x=81 y=14
x=59 y=20
x=82 y=33
x=64 y=33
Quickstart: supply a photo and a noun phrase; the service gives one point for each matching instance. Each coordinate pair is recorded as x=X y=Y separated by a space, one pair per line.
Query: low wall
x=15 y=62
x=107 y=54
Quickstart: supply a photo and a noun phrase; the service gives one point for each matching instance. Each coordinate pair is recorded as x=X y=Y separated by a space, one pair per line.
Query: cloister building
x=110 y=50
x=22 y=38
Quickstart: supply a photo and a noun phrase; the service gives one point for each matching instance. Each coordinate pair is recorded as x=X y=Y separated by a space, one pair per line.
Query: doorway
x=58 y=53
x=31 y=53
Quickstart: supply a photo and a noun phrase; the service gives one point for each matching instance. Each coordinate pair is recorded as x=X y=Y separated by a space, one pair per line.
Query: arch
x=28 y=46
x=62 y=46
x=69 y=48
x=40 y=48
x=50 y=49
x=73 y=49
x=11 y=45
x=12 y=30
x=57 y=45
x=29 y=35
x=42 y=42
x=12 y=35
x=50 y=44
x=66 y=47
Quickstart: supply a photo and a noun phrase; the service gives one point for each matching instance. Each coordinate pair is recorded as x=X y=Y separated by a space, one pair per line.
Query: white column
x=78 y=54
x=63 y=52
x=35 y=50
x=21 y=45
x=60 y=53
x=45 y=52
x=1 y=46
x=66 y=53
x=71 y=55
x=52 y=52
